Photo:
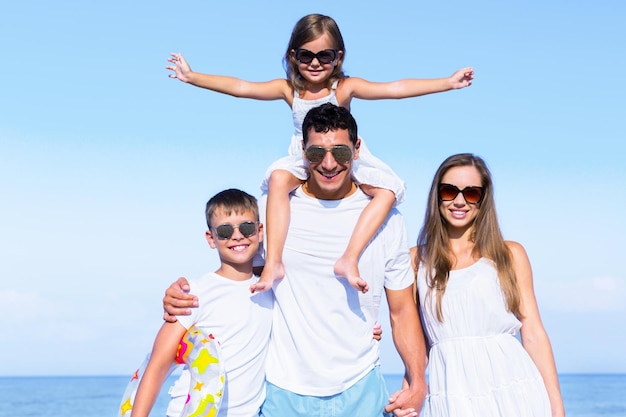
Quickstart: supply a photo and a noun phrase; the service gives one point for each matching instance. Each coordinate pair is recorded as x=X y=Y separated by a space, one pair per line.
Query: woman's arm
x=534 y=337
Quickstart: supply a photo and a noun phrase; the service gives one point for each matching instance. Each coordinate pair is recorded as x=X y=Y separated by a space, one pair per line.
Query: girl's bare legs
x=366 y=227
x=277 y=216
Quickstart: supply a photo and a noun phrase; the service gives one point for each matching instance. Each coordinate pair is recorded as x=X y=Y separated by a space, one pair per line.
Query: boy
x=240 y=321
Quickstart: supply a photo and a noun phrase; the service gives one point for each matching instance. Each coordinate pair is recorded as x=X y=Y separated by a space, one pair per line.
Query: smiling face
x=316 y=73
x=330 y=179
x=237 y=251
x=458 y=214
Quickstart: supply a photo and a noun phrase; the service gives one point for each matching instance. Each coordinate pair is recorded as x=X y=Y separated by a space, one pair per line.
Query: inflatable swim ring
x=200 y=354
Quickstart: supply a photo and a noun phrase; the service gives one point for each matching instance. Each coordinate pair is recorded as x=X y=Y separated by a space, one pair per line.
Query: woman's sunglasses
x=448 y=192
x=341 y=153
x=324 y=57
x=247 y=229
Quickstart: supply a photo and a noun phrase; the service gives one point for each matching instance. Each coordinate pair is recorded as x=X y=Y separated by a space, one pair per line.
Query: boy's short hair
x=231 y=201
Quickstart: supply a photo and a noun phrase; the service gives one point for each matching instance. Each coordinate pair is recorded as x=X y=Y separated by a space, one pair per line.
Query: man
x=322 y=359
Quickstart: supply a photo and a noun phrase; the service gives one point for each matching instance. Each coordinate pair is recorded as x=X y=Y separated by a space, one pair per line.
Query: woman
x=475 y=293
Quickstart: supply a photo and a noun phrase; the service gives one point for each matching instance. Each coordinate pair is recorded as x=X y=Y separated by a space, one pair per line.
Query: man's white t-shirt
x=241 y=322
x=321 y=340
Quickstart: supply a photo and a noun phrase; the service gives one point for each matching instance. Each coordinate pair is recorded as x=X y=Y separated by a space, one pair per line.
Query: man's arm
x=178 y=301
x=409 y=341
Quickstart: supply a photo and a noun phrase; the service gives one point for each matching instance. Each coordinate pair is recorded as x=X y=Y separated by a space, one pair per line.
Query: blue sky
x=106 y=163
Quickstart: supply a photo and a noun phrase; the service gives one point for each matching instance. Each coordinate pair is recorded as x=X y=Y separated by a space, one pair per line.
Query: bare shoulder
x=516 y=249
x=521 y=263
x=346 y=89
x=283 y=85
x=351 y=84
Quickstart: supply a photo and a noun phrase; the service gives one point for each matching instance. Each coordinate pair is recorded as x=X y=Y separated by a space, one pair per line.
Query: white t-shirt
x=241 y=322
x=321 y=340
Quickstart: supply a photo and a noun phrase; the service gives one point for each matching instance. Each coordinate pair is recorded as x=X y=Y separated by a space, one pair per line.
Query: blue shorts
x=367 y=398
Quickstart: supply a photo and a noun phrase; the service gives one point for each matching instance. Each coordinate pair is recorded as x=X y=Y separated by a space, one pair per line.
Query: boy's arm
x=177 y=300
x=270 y=90
x=407 y=334
x=161 y=359
x=367 y=90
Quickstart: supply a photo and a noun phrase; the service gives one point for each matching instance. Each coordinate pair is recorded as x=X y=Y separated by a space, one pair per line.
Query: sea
x=584 y=395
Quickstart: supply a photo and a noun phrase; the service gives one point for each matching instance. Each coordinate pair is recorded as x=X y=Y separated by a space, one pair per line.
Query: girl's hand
x=180 y=67
x=460 y=79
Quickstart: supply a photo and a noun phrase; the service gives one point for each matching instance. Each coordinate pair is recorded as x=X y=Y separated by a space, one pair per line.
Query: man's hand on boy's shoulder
x=177 y=300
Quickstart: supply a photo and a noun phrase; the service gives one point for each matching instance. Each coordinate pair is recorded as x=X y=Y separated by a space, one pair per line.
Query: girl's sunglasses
x=324 y=57
x=247 y=229
x=448 y=192
x=341 y=153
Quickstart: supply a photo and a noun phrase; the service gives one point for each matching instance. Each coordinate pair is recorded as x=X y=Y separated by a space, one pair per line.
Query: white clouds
x=597 y=294
x=99 y=332
x=26 y=309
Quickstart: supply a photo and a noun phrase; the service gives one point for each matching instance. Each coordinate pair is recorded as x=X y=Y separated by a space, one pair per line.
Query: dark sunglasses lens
x=315 y=153
x=326 y=56
x=304 y=56
x=448 y=192
x=342 y=154
x=224 y=231
x=472 y=194
x=247 y=229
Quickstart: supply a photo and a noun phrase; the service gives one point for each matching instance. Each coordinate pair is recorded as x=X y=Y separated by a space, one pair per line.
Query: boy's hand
x=177 y=300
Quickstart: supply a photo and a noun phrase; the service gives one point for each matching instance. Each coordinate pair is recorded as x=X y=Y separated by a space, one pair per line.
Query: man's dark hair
x=329 y=117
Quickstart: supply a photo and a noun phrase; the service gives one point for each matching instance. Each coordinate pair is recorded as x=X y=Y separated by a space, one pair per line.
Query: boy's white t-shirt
x=321 y=340
x=241 y=322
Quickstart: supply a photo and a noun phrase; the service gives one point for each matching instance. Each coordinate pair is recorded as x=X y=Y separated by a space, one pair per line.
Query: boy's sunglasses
x=448 y=192
x=247 y=229
x=341 y=153
x=324 y=57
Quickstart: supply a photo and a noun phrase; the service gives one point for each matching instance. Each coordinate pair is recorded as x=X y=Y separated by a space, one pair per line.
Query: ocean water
x=585 y=395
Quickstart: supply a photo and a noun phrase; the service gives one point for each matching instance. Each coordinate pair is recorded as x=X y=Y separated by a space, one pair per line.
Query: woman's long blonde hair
x=433 y=253
x=307 y=29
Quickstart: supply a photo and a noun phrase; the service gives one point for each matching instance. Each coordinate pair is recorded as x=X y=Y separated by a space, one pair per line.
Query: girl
x=313 y=63
x=475 y=292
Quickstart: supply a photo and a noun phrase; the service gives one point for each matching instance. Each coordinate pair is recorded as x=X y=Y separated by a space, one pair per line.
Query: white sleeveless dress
x=477 y=367
x=367 y=169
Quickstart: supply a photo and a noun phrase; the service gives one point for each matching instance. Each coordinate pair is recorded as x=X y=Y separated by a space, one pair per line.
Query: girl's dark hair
x=307 y=29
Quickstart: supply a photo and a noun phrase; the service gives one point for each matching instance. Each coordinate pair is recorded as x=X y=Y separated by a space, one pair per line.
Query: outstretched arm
x=270 y=90
x=367 y=90
x=534 y=337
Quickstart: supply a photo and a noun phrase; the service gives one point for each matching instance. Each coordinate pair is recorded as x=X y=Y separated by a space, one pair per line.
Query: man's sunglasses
x=448 y=192
x=324 y=57
x=247 y=229
x=341 y=153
